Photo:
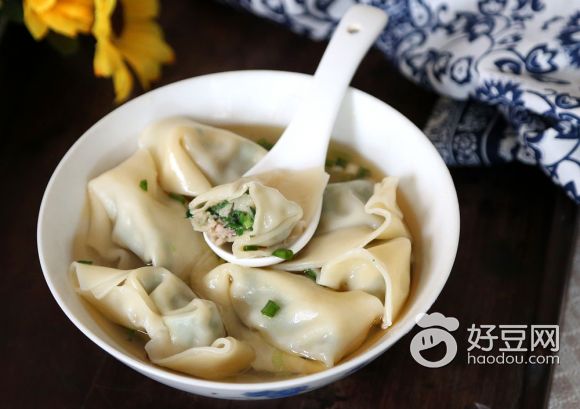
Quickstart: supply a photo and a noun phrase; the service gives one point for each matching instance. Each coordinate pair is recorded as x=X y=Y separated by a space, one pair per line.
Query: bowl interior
x=268 y=98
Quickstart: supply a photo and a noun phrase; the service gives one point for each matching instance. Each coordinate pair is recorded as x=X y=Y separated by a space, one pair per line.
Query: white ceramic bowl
x=368 y=125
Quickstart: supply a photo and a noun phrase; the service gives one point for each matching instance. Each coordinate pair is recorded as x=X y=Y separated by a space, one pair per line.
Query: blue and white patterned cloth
x=520 y=56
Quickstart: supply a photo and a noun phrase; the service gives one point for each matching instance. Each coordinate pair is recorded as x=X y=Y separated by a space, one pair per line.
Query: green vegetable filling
x=285 y=254
x=188 y=214
x=246 y=219
x=341 y=162
x=215 y=209
x=143 y=185
x=85 y=261
x=237 y=220
x=240 y=221
x=131 y=334
x=363 y=173
x=270 y=309
x=251 y=248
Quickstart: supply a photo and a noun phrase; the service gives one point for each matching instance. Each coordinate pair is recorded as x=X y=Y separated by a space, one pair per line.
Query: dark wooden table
x=511 y=268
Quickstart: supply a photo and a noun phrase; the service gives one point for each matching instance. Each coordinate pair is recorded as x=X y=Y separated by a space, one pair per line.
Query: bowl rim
x=170 y=377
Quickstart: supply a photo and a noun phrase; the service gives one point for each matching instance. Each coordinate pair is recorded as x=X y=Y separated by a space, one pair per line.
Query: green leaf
x=64 y=45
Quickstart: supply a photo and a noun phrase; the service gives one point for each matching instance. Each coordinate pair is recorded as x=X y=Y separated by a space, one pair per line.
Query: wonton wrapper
x=268 y=358
x=383 y=270
x=274 y=220
x=353 y=215
x=193 y=157
x=186 y=333
x=313 y=321
x=126 y=221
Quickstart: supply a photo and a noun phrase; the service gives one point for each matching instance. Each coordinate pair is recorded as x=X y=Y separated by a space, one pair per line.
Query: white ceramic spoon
x=297 y=149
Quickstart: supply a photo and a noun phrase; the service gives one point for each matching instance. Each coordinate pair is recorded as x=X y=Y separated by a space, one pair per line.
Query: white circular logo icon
x=431 y=337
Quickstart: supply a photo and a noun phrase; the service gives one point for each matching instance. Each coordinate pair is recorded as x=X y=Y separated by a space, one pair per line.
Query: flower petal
x=146 y=38
x=102 y=27
x=60 y=23
x=107 y=59
x=147 y=70
x=35 y=25
x=75 y=10
x=40 y=6
x=140 y=9
x=123 y=83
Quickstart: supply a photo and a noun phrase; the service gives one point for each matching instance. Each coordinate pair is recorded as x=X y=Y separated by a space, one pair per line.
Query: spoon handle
x=305 y=141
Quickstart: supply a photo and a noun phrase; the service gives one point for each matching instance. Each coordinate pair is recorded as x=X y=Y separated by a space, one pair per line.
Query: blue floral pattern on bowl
x=281 y=393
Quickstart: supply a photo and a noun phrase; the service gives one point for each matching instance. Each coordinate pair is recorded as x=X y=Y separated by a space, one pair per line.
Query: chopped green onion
x=181 y=199
x=247 y=220
x=239 y=221
x=143 y=185
x=363 y=173
x=265 y=144
x=341 y=162
x=251 y=248
x=188 y=214
x=285 y=254
x=310 y=273
x=217 y=207
x=131 y=333
x=85 y=261
x=270 y=309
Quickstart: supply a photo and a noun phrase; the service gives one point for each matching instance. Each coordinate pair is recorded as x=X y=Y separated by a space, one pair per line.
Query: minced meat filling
x=229 y=219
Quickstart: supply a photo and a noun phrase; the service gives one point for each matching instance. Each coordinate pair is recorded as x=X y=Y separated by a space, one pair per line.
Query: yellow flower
x=139 y=44
x=67 y=17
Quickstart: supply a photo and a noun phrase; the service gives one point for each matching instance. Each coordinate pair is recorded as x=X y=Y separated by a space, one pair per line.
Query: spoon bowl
x=304 y=143
x=302 y=241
